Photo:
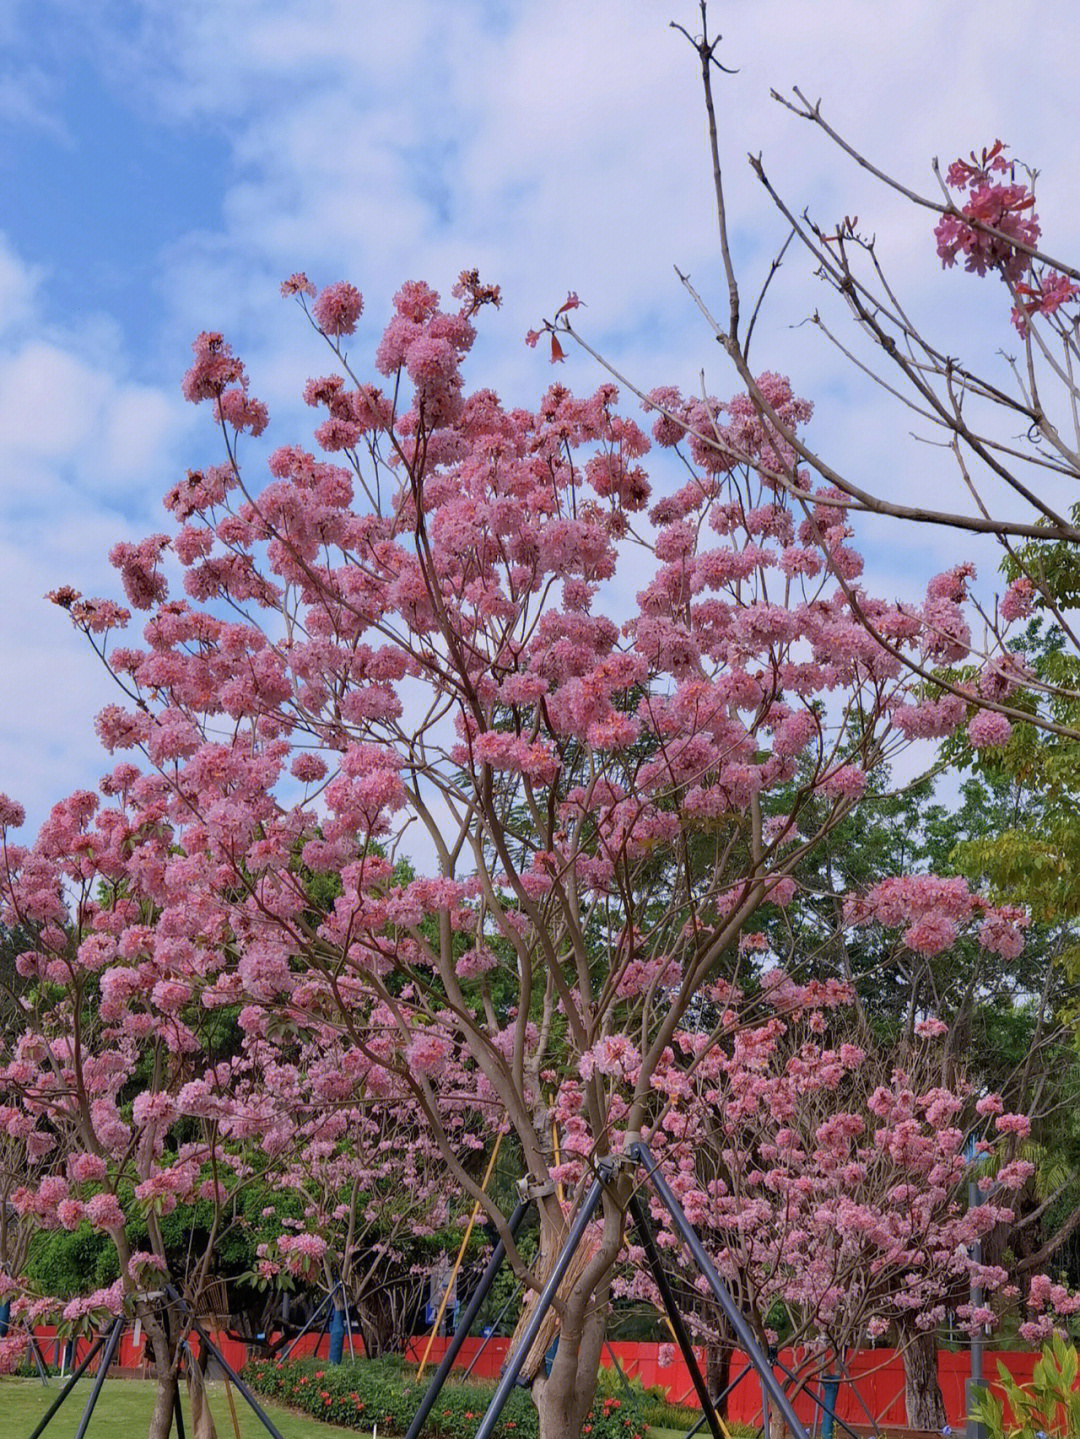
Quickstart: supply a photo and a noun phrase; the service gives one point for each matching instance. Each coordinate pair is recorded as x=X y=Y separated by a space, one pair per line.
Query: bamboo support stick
x=457 y=1261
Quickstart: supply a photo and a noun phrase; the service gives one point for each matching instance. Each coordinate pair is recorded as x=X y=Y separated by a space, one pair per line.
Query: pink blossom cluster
x=825 y=1181
x=935 y=911
x=996 y=202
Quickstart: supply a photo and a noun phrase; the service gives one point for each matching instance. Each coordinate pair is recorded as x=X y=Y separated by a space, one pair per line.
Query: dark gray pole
x=722 y=1395
x=99 y=1378
x=678 y=1324
x=975 y=1430
x=472 y=1309
x=178 y=1413
x=731 y=1310
x=264 y=1418
x=76 y=1375
x=488 y=1338
x=38 y=1360
x=296 y=1340
x=543 y=1304
x=827 y=1407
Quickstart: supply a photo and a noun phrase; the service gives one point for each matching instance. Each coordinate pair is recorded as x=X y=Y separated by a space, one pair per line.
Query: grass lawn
x=124 y=1408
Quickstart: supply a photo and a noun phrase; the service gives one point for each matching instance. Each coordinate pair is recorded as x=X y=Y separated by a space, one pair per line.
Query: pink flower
x=297 y=284
x=931 y=934
x=931 y=1028
x=1018 y=1124
x=1018 y=600
x=87 y=1168
x=338 y=308
x=70 y=1213
x=847 y=782
x=104 y=1212
x=12 y=815
x=428 y=1053
x=987 y=728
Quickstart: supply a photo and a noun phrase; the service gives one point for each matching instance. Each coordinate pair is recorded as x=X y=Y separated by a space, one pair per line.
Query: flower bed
x=367 y=1392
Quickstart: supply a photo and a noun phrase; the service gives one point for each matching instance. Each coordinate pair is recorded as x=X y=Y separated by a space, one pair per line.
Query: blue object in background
x=337 y=1334
x=549 y=1357
x=830 y=1385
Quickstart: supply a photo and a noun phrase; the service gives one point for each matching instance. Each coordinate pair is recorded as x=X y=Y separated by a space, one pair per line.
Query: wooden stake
x=232 y=1408
x=457 y=1261
x=558 y=1161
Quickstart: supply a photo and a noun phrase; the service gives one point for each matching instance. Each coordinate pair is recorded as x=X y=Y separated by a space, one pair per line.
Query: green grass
x=124 y=1408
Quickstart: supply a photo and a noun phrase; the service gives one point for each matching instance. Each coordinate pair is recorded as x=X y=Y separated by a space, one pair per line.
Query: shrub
x=1049 y=1405
x=385 y=1392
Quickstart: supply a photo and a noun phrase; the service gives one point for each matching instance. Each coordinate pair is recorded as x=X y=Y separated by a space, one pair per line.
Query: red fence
x=875 y=1392
x=133 y=1356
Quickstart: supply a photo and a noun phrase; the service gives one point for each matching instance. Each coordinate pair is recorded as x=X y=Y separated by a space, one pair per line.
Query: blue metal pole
x=543 y=1304
x=771 y=1386
x=472 y=1309
x=830 y=1388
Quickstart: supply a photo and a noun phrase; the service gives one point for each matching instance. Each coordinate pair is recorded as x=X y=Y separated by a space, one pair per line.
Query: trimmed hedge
x=361 y=1393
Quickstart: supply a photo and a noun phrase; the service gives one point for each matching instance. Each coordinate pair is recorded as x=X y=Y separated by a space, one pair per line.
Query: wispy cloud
x=556 y=145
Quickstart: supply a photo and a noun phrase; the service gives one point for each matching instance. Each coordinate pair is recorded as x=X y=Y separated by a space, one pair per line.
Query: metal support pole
x=178 y=1413
x=488 y=1337
x=716 y=1401
x=975 y=1430
x=99 y=1378
x=39 y=1362
x=76 y=1375
x=732 y=1312
x=678 y=1324
x=833 y=1382
x=348 y=1322
x=314 y=1315
x=472 y=1309
x=619 y=1370
x=204 y=1338
x=543 y=1304
x=452 y=1279
x=322 y=1334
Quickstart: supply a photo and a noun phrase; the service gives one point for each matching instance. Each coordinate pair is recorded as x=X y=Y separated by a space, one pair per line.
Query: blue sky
x=164 y=165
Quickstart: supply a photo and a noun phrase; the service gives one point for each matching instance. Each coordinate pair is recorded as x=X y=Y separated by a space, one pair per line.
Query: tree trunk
x=564 y=1397
x=163 y=1343
x=922 y=1393
x=718 y=1374
x=160 y=1346
x=161 y=1421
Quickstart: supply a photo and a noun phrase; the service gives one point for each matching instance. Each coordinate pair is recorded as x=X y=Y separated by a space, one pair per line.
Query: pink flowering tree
x=603 y=711
x=363 y=1210
x=830 y=1180
x=19 y=1163
x=132 y=1083
x=1009 y=436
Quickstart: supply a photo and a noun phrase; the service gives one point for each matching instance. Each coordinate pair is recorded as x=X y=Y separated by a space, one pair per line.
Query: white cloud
x=78 y=440
x=557 y=146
